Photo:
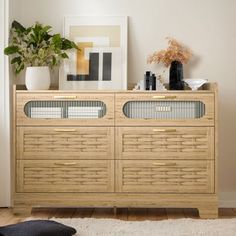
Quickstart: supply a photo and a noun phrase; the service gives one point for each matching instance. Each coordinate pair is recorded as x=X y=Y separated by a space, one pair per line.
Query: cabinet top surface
x=207 y=88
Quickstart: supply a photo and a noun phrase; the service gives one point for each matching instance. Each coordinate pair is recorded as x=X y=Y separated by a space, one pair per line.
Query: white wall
x=4 y=110
x=207 y=26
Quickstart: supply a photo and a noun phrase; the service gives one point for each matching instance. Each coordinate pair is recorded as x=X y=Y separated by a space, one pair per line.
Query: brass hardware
x=66 y=164
x=65 y=97
x=64 y=130
x=164 y=164
x=164 y=97
x=164 y=130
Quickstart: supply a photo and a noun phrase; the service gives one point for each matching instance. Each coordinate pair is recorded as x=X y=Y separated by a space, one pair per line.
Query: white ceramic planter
x=37 y=78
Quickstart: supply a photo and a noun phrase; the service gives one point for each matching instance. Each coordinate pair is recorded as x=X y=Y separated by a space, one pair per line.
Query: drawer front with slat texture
x=91 y=109
x=146 y=176
x=60 y=176
x=165 y=143
x=150 y=109
x=65 y=143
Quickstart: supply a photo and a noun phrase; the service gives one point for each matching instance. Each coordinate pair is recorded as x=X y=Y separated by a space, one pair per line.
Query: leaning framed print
x=101 y=61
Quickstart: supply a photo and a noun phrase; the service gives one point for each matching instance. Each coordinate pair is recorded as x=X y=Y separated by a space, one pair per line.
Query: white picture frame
x=104 y=37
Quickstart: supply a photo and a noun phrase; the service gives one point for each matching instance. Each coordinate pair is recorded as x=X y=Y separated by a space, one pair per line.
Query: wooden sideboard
x=115 y=149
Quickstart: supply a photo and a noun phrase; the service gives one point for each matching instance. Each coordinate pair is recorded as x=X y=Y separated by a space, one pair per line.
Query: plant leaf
x=16 y=60
x=16 y=25
x=57 y=42
x=11 y=50
x=64 y=55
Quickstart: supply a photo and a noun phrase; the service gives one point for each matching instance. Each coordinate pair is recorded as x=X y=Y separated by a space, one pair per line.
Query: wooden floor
x=132 y=214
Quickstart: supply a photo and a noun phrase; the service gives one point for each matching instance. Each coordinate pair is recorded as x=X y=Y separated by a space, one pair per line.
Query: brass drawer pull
x=164 y=97
x=64 y=130
x=65 y=97
x=164 y=164
x=164 y=130
x=66 y=164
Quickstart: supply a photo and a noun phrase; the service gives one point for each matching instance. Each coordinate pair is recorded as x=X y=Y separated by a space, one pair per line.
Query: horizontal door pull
x=64 y=130
x=66 y=163
x=65 y=97
x=164 y=164
x=164 y=97
x=164 y=130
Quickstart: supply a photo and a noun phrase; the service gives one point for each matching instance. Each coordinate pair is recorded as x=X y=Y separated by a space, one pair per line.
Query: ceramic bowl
x=195 y=84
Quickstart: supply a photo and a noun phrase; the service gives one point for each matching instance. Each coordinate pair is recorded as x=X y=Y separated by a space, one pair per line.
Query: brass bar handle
x=164 y=130
x=64 y=130
x=65 y=97
x=66 y=164
x=164 y=97
x=164 y=164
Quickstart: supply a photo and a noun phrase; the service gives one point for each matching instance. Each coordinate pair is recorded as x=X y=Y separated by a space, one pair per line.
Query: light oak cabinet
x=115 y=149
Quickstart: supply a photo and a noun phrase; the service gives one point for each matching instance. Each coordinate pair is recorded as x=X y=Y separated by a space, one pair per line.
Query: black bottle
x=153 y=82
x=147 y=79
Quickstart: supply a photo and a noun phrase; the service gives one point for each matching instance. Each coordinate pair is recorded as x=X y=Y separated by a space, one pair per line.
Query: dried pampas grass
x=175 y=52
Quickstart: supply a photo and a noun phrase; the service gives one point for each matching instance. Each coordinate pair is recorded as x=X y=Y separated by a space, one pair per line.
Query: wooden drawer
x=65 y=176
x=150 y=109
x=165 y=143
x=52 y=109
x=146 y=176
x=65 y=143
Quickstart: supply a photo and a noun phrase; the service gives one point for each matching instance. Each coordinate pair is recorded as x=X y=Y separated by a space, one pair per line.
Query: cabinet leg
x=208 y=212
x=22 y=210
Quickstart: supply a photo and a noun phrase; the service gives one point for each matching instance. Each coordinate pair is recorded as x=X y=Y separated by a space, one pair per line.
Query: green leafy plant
x=35 y=46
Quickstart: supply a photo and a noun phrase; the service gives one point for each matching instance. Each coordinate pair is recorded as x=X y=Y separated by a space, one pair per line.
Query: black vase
x=176 y=76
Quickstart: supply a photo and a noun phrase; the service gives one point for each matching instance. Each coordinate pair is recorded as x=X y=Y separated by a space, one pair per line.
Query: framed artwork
x=101 y=61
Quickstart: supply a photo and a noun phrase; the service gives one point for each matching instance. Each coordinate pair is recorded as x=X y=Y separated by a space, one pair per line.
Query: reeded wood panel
x=107 y=99
x=164 y=176
x=206 y=99
x=65 y=176
x=65 y=143
x=165 y=143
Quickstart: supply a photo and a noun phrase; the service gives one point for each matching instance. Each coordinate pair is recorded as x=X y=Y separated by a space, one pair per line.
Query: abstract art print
x=101 y=61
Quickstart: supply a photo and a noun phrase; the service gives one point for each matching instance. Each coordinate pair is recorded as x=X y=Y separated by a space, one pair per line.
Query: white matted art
x=101 y=61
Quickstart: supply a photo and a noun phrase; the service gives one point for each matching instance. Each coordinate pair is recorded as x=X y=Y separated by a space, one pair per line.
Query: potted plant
x=174 y=57
x=37 y=50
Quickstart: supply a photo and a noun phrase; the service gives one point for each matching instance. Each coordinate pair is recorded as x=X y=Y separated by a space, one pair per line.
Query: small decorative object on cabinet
x=35 y=49
x=195 y=84
x=117 y=149
x=174 y=56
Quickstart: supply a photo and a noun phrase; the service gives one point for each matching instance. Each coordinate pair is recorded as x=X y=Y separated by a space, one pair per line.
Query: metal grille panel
x=164 y=109
x=65 y=109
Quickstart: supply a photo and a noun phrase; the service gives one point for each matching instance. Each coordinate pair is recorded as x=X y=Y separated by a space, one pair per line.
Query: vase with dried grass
x=174 y=57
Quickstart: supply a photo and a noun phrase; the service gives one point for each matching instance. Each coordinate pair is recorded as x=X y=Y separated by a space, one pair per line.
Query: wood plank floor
x=132 y=214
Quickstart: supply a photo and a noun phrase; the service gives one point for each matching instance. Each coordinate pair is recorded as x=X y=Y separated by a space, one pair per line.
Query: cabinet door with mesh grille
x=146 y=176
x=65 y=143
x=65 y=176
x=47 y=108
x=150 y=109
x=165 y=143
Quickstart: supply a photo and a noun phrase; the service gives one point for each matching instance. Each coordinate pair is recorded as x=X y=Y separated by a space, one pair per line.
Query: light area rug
x=178 y=227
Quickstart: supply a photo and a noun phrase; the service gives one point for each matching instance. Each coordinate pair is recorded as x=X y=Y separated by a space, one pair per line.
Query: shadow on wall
x=190 y=67
x=227 y=154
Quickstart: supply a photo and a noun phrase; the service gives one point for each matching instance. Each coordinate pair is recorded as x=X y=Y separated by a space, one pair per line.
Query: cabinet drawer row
x=122 y=109
x=140 y=176
x=120 y=143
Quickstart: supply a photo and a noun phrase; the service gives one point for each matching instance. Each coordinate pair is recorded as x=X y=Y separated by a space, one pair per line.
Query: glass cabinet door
x=79 y=109
x=176 y=109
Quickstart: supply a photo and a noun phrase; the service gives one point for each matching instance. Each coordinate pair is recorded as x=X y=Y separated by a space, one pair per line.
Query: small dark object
x=147 y=79
x=176 y=76
x=153 y=82
x=37 y=228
